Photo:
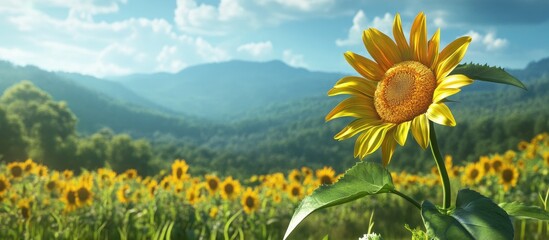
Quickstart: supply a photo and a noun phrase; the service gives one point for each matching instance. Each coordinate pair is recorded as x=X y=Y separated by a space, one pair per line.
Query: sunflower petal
x=354 y=86
x=420 y=130
x=370 y=140
x=442 y=93
x=355 y=106
x=388 y=148
x=382 y=48
x=401 y=42
x=433 y=46
x=418 y=38
x=365 y=67
x=451 y=55
x=441 y=114
x=355 y=127
x=454 y=81
x=401 y=133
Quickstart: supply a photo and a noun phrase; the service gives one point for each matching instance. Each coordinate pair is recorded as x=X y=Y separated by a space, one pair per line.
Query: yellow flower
x=28 y=165
x=230 y=188
x=4 y=184
x=24 y=206
x=508 y=176
x=194 y=194
x=67 y=174
x=295 y=191
x=41 y=170
x=212 y=182
x=295 y=176
x=130 y=173
x=15 y=169
x=486 y=164
x=213 y=212
x=123 y=194
x=250 y=200
x=179 y=170
x=496 y=163
x=473 y=174
x=522 y=145
x=106 y=176
x=70 y=198
x=402 y=90
x=84 y=193
x=166 y=182
x=546 y=158
x=152 y=186
x=325 y=175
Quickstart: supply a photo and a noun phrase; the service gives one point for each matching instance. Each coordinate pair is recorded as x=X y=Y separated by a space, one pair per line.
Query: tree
x=13 y=143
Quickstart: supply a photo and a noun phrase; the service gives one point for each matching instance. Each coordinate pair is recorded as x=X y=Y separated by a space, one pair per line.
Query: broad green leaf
x=487 y=73
x=365 y=178
x=475 y=217
x=522 y=211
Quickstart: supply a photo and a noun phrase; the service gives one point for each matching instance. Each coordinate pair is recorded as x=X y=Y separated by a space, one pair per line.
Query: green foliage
x=487 y=73
x=475 y=217
x=13 y=143
x=361 y=180
x=523 y=211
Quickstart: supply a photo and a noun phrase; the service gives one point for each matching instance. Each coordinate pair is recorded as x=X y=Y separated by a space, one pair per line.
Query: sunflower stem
x=447 y=196
x=408 y=198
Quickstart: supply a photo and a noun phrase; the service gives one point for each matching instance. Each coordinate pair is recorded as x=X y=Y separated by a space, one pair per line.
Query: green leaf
x=475 y=217
x=365 y=178
x=487 y=73
x=522 y=211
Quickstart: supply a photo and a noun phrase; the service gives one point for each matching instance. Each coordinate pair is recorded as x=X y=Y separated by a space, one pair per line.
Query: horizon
x=122 y=37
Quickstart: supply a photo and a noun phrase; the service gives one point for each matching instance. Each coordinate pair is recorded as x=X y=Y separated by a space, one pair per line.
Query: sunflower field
x=38 y=203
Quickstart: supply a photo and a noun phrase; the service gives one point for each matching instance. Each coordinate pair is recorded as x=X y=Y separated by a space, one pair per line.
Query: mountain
x=96 y=110
x=113 y=90
x=229 y=89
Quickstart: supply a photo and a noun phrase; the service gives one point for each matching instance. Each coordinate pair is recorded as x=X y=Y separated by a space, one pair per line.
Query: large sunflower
x=250 y=200
x=401 y=90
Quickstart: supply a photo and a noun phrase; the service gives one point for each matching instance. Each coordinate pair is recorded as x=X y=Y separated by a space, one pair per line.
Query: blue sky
x=118 y=37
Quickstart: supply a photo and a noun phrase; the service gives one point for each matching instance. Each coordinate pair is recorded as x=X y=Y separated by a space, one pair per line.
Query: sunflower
x=4 y=184
x=106 y=176
x=546 y=158
x=522 y=145
x=326 y=175
x=15 y=169
x=53 y=183
x=40 y=170
x=24 y=206
x=509 y=156
x=295 y=191
x=486 y=164
x=194 y=194
x=496 y=163
x=152 y=186
x=70 y=198
x=402 y=90
x=250 y=200
x=277 y=198
x=84 y=194
x=508 y=176
x=212 y=183
x=295 y=176
x=67 y=174
x=213 y=212
x=230 y=188
x=123 y=194
x=473 y=174
x=28 y=165
x=179 y=170
x=130 y=173
x=455 y=171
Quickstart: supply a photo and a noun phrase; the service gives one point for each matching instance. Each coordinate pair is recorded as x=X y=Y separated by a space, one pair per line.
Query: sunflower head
x=4 y=184
x=212 y=183
x=84 y=194
x=124 y=194
x=179 y=170
x=250 y=200
x=15 y=169
x=326 y=175
x=24 y=206
x=295 y=191
x=230 y=188
x=508 y=176
x=402 y=89
x=474 y=172
x=70 y=197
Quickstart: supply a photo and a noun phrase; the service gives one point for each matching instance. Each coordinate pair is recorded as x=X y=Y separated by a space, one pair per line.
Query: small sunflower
x=401 y=90
x=40 y=170
x=508 y=176
x=522 y=145
x=67 y=174
x=194 y=194
x=295 y=191
x=130 y=173
x=124 y=194
x=15 y=169
x=152 y=186
x=295 y=176
x=496 y=162
x=4 y=184
x=106 y=176
x=179 y=170
x=166 y=182
x=213 y=212
x=250 y=200
x=325 y=175
x=212 y=183
x=230 y=188
x=70 y=198
x=474 y=172
x=28 y=165
x=486 y=164
x=24 y=206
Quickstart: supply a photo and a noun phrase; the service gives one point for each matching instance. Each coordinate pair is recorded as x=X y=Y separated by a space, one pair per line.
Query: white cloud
x=292 y=59
x=229 y=9
x=209 y=52
x=256 y=49
x=360 y=23
x=489 y=41
x=306 y=5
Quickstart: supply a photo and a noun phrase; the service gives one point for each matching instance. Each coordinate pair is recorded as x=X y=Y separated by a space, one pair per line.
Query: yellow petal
x=355 y=106
x=420 y=130
x=442 y=93
x=400 y=39
x=370 y=140
x=441 y=114
x=454 y=81
x=381 y=48
x=432 y=55
x=354 y=86
x=388 y=148
x=355 y=127
x=448 y=59
x=401 y=132
x=365 y=67
x=418 y=38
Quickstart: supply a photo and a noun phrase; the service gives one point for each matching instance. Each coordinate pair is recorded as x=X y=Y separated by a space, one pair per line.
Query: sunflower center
x=507 y=175
x=213 y=184
x=250 y=203
x=474 y=174
x=405 y=92
x=229 y=189
x=326 y=180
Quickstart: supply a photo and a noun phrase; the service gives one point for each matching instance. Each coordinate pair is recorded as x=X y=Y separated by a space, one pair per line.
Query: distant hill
x=97 y=110
x=227 y=89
